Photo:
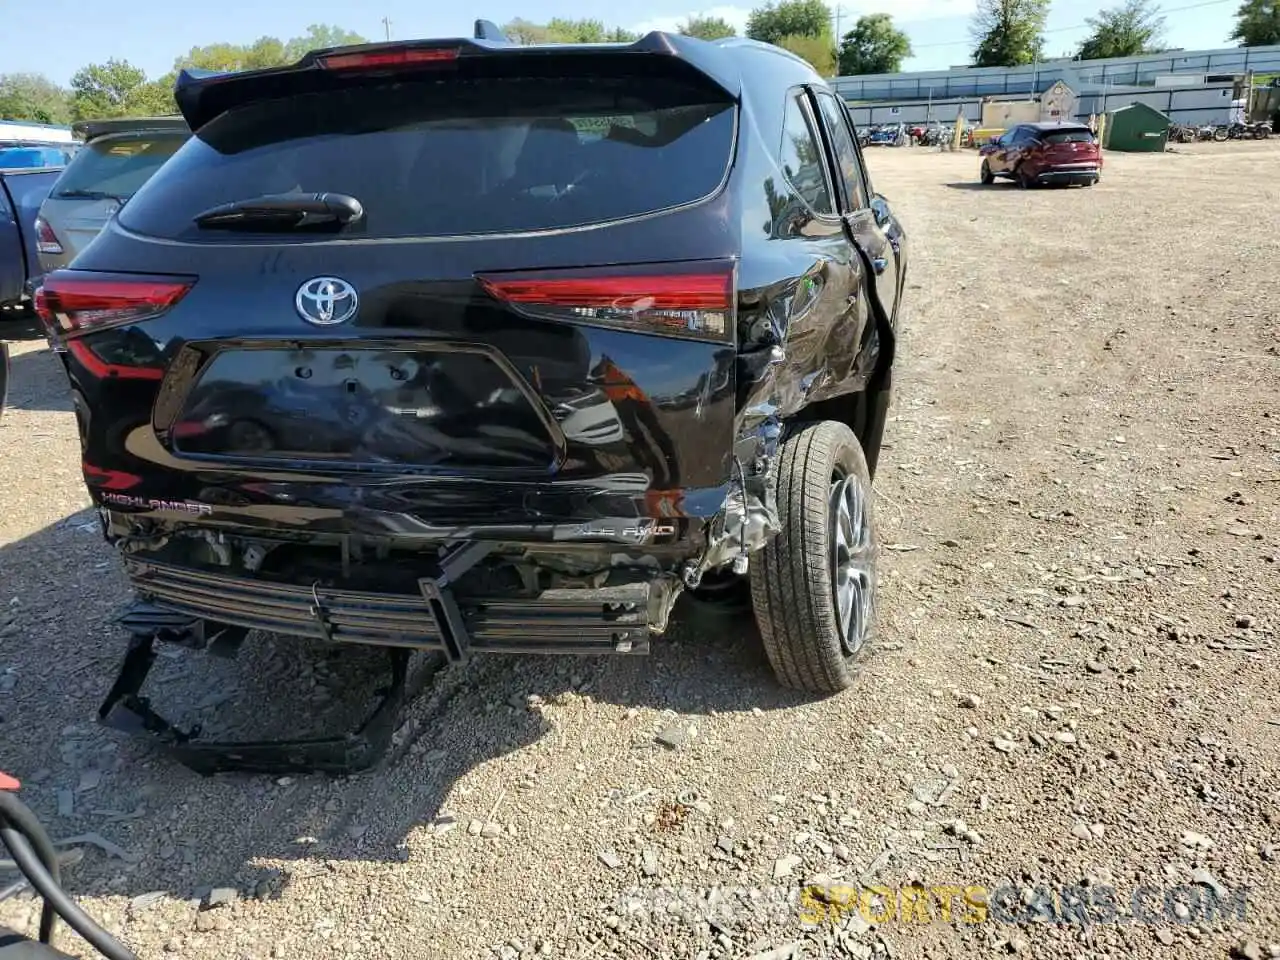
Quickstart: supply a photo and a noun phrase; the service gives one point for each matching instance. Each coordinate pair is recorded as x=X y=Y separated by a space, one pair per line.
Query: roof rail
x=488 y=30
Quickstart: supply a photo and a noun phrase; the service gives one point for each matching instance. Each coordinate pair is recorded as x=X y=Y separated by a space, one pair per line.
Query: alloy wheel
x=853 y=560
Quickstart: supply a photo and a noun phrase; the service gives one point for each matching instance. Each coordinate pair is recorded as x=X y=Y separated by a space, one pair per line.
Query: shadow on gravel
x=19 y=324
x=977 y=185
x=169 y=829
x=37 y=380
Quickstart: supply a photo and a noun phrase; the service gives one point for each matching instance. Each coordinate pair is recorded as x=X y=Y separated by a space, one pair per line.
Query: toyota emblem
x=325 y=301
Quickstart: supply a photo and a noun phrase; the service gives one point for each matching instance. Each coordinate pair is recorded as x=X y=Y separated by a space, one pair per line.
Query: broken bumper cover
x=214 y=610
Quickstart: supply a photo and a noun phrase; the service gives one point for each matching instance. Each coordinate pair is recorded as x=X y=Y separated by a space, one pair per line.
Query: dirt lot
x=1077 y=682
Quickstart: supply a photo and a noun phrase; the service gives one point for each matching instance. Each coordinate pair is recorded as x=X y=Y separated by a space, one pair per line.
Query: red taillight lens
x=693 y=302
x=72 y=303
x=388 y=59
x=46 y=240
x=108 y=479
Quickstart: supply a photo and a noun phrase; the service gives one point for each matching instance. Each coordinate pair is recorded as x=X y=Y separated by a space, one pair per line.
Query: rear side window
x=1083 y=135
x=116 y=166
x=801 y=158
x=845 y=150
x=465 y=156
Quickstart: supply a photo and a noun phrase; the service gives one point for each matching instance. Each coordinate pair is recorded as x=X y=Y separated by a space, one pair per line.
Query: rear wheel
x=987 y=176
x=1025 y=180
x=813 y=586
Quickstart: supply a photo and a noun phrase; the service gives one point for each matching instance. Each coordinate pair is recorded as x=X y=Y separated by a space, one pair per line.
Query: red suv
x=1034 y=153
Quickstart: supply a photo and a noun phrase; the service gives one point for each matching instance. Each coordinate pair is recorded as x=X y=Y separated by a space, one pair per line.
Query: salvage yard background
x=1077 y=680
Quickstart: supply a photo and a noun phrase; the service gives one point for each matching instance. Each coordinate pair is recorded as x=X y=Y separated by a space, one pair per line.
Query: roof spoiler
x=204 y=94
x=93 y=129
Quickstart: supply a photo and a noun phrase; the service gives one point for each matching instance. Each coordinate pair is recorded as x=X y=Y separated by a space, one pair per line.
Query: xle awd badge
x=325 y=301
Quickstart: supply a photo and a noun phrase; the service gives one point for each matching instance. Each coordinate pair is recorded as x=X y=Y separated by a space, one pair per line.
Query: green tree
x=319 y=36
x=789 y=18
x=227 y=57
x=104 y=90
x=33 y=97
x=1257 y=23
x=820 y=51
x=1132 y=28
x=708 y=28
x=153 y=99
x=525 y=33
x=561 y=30
x=266 y=51
x=874 y=45
x=1009 y=33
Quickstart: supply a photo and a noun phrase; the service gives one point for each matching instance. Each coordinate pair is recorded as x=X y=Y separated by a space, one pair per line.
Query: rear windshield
x=116 y=166
x=465 y=156
x=1067 y=136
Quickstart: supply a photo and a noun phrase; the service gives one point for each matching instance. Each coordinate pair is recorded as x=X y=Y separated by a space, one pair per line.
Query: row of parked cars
x=56 y=197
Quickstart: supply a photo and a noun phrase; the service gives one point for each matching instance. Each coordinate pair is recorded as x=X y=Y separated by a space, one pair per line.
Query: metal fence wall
x=1200 y=104
x=1080 y=75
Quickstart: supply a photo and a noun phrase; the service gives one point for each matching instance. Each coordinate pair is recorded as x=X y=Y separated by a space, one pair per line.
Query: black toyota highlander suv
x=465 y=346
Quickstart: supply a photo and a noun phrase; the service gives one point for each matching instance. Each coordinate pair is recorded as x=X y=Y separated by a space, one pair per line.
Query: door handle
x=879 y=265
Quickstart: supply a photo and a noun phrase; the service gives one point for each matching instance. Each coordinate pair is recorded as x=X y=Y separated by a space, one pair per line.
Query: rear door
x=13 y=265
x=867 y=218
x=823 y=344
x=1001 y=160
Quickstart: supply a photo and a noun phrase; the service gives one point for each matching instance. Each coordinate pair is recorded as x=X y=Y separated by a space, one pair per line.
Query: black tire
x=987 y=177
x=1025 y=181
x=793 y=577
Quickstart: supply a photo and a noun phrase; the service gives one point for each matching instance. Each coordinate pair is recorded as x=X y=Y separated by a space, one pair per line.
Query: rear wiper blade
x=87 y=195
x=283 y=211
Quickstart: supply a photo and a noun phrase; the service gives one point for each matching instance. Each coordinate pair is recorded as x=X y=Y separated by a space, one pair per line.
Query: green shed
x=1137 y=128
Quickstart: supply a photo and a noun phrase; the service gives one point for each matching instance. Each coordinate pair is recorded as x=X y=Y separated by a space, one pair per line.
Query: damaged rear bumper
x=606 y=620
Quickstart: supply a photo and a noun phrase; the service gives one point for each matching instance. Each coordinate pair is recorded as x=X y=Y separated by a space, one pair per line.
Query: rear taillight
x=46 y=240
x=388 y=59
x=692 y=301
x=72 y=302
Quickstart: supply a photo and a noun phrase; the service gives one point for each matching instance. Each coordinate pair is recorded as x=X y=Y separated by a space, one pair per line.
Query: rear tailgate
x=537 y=300
x=104 y=174
x=1070 y=147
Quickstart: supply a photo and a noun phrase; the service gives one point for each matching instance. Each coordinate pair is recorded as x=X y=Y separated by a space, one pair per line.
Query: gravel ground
x=1075 y=686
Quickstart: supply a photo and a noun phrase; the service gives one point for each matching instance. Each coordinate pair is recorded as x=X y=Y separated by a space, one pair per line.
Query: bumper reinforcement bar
x=125 y=709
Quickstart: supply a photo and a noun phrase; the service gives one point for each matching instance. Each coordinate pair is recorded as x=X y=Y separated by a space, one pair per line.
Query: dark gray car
x=118 y=157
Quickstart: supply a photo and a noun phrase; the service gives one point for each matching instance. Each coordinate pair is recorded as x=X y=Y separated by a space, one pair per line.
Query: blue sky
x=56 y=37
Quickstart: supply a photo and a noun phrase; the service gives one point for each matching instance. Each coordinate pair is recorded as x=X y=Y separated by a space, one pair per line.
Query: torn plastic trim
x=749 y=517
x=125 y=709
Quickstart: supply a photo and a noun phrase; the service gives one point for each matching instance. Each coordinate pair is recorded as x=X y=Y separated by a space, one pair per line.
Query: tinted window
x=116 y=166
x=29 y=158
x=801 y=158
x=1083 y=135
x=467 y=156
x=845 y=150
